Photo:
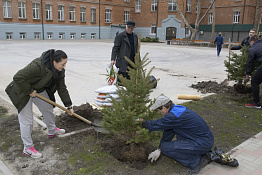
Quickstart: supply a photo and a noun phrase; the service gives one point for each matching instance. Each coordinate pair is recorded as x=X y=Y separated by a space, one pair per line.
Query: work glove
x=154 y=155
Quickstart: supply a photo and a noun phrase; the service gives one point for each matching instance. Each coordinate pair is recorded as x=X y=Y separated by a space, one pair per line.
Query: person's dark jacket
x=121 y=49
x=184 y=122
x=255 y=53
x=37 y=76
x=219 y=40
x=244 y=42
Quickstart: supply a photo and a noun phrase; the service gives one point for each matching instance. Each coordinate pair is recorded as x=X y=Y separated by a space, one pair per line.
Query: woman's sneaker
x=57 y=131
x=32 y=152
x=253 y=105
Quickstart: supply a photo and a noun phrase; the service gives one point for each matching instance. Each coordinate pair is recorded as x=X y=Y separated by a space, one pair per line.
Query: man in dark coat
x=193 y=141
x=255 y=54
x=219 y=41
x=125 y=44
x=244 y=42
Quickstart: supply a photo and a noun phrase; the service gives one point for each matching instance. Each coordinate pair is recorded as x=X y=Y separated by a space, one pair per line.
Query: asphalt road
x=178 y=67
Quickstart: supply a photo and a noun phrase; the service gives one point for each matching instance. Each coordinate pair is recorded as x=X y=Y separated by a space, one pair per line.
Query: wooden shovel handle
x=63 y=108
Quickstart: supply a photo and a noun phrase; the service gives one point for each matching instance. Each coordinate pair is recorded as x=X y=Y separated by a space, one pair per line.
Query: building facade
x=102 y=19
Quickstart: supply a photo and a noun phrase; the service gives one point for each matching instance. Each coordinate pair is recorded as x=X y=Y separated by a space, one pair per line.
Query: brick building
x=101 y=19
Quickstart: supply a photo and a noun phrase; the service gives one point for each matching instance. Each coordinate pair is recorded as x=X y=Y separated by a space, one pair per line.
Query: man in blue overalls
x=193 y=141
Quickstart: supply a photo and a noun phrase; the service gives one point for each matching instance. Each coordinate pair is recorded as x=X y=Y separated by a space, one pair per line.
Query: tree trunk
x=213 y=22
x=256 y=15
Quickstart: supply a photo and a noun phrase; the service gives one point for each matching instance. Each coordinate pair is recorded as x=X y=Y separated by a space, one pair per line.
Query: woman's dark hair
x=59 y=55
x=253 y=38
x=167 y=105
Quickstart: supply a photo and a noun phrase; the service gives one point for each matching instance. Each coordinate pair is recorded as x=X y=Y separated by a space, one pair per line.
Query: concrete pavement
x=178 y=67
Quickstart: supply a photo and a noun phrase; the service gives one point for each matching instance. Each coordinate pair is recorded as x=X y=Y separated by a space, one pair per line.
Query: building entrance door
x=170 y=33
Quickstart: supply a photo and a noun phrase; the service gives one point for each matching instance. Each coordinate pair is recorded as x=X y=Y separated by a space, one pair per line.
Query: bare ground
x=91 y=152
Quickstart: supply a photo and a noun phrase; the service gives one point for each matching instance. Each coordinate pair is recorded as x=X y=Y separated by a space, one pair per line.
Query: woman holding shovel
x=44 y=75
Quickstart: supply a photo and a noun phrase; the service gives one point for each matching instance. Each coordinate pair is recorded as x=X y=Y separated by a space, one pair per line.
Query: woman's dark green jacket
x=35 y=76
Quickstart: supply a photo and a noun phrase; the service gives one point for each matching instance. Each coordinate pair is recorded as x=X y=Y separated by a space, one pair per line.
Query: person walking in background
x=44 y=75
x=255 y=54
x=219 y=41
x=125 y=44
x=245 y=40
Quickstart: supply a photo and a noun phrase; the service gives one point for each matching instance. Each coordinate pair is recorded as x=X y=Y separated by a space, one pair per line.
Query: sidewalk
x=249 y=156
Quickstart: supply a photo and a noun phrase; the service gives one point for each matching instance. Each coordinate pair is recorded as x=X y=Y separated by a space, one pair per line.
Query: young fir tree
x=236 y=67
x=133 y=103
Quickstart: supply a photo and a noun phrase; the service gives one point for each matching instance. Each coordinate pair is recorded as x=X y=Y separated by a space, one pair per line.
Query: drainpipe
x=244 y=12
x=42 y=20
x=157 y=17
x=99 y=21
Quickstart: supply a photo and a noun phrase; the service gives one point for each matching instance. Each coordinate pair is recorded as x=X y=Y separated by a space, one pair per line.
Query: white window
x=236 y=17
x=188 y=5
x=35 y=11
x=83 y=36
x=61 y=13
x=48 y=10
x=49 y=35
x=93 y=35
x=210 y=19
x=108 y=15
x=7 y=9
x=126 y=0
x=153 y=29
x=187 y=31
x=22 y=35
x=138 y=5
x=82 y=14
x=37 y=35
x=154 y=5
x=9 y=36
x=72 y=35
x=21 y=10
x=72 y=13
x=126 y=16
x=93 y=15
x=171 y=5
x=61 y=35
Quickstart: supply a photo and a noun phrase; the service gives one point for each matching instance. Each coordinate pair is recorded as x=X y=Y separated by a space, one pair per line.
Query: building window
x=21 y=10
x=48 y=10
x=126 y=16
x=187 y=31
x=171 y=5
x=83 y=36
x=9 y=36
x=35 y=11
x=93 y=15
x=61 y=13
x=72 y=35
x=7 y=9
x=126 y=0
x=210 y=19
x=22 y=35
x=236 y=17
x=37 y=35
x=108 y=15
x=72 y=13
x=138 y=5
x=49 y=35
x=61 y=36
x=154 y=5
x=82 y=14
x=93 y=35
x=153 y=29
x=188 y=5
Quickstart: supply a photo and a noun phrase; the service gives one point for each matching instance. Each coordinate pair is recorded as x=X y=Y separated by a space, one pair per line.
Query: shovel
x=96 y=127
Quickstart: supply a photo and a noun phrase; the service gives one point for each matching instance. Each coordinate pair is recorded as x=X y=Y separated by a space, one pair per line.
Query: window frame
x=154 y=5
x=93 y=14
x=36 y=10
x=210 y=18
x=188 y=5
x=9 y=35
x=37 y=35
x=7 y=7
x=48 y=12
x=153 y=29
x=72 y=13
x=138 y=6
x=21 y=10
x=61 y=13
x=171 y=5
x=108 y=15
x=82 y=14
x=126 y=16
x=236 y=17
